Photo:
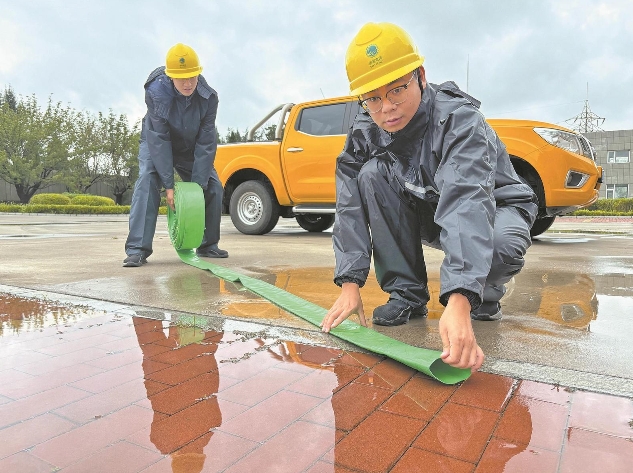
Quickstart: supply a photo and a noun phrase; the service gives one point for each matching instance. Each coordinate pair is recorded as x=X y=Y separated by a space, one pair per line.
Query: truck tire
x=541 y=225
x=315 y=222
x=253 y=208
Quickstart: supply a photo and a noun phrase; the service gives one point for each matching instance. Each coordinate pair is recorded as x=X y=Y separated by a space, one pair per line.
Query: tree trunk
x=26 y=192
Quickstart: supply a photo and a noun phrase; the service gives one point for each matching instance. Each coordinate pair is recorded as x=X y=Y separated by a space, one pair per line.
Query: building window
x=619 y=157
x=617 y=191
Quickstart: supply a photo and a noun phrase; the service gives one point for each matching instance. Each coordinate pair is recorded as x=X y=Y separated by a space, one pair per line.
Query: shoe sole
x=486 y=317
x=211 y=256
x=135 y=265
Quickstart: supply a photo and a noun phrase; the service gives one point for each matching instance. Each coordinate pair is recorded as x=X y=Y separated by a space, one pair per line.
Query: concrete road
x=568 y=316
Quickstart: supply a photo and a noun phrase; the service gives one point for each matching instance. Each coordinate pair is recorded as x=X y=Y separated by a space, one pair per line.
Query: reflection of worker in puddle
x=169 y=431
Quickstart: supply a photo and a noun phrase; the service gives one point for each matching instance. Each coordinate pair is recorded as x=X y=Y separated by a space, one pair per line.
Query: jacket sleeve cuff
x=343 y=279
x=473 y=298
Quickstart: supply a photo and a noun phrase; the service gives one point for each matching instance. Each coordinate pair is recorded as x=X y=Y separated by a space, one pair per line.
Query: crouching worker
x=422 y=166
x=178 y=133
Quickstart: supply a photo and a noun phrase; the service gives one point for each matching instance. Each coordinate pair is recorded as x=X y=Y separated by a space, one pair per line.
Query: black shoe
x=212 y=252
x=397 y=312
x=487 y=311
x=134 y=261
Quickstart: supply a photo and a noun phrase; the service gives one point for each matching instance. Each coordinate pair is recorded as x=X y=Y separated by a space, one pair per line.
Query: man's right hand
x=348 y=303
x=169 y=196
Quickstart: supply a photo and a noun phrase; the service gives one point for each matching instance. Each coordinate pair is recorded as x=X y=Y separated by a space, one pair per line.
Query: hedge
x=50 y=199
x=70 y=209
x=92 y=200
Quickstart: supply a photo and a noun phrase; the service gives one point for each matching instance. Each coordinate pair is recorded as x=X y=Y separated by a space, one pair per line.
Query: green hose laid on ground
x=186 y=228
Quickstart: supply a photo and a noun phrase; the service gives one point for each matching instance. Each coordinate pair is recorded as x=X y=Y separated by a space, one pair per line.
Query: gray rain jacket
x=180 y=131
x=450 y=159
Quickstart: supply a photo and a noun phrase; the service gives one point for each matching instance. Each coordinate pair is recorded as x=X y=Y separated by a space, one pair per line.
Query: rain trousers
x=446 y=181
x=178 y=133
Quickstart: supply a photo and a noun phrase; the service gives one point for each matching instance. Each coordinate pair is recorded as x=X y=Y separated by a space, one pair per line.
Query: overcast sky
x=527 y=58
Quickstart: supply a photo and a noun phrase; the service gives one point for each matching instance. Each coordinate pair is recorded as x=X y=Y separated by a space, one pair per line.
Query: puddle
x=18 y=314
x=158 y=396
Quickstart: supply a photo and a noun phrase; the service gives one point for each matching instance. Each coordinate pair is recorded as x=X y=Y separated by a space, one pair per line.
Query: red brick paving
x=112 y=393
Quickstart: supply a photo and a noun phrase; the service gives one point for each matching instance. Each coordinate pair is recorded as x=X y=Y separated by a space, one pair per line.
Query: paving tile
x=421 y=461
x=485 y=391
x=509 y=457
x=31 y=432
x=39 y=403
x=176 y=374
x=259 y=387
x=602 y=413
x=116 y=358
x=320 y=383
x=89 y=438
x=174 y=432
x=325 y=467
x=36 y=384
x=58 y=362
x=24 y=462
x=544 y=392
x=104 y=403
x=355 y=402
x=390 y=373
x=75 y=345
x=121 y=457
x=359 y=451
x=421 y=398
x=211 y=453
x=322 y=414
x=109 y=379
x=182 y=354
x=535 y=423
x=365 y=360
x=25 y=358
x=460 y=432
x=269 y=416
x=177 y=398
x=153 y=387
x=244 y=369
x=292 y=450
x=589 y=452
x=11 y=376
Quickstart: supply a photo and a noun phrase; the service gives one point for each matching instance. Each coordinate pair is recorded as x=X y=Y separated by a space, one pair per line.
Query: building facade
x=613 y=153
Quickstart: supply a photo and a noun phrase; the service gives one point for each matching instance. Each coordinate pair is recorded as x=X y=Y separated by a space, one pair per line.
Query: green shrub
x=76 y=209
x=91 y=200
x=50 y=199
x=13 y=208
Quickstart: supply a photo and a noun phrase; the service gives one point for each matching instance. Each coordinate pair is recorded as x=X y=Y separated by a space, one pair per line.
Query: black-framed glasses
x=396 y=96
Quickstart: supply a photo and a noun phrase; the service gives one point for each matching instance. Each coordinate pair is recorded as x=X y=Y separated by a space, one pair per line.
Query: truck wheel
x=541 y=225
x=254 y=209
x=315 y=222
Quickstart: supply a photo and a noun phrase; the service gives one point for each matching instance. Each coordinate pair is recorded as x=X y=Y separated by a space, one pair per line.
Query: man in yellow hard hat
x=422 y=166
x=178 y=133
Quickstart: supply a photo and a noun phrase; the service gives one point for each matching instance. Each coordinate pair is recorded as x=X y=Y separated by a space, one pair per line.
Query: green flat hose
x=186 y=228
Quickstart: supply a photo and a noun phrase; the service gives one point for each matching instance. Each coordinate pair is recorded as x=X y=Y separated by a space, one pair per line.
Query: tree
x=9 y=98
x=34 y=144
x=120 y=144
x=85 y=164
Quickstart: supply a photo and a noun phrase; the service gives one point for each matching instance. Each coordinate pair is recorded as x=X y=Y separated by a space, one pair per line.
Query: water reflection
x=18 y=314
x=179 y=419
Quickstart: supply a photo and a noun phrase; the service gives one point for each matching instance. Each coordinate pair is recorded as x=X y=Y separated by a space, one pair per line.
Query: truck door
x=310 y=149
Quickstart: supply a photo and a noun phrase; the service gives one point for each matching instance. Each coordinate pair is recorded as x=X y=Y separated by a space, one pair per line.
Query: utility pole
x=586 y=121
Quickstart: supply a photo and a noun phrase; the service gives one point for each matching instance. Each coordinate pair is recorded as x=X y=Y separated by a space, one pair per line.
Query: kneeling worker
x=422 y=166
x=178 y=132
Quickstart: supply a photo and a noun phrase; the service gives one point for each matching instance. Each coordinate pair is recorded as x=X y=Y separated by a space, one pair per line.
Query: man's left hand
x=460 y=348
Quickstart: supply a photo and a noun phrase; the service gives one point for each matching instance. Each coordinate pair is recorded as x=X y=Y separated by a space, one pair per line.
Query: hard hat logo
x=182 y=62
x=371 y=50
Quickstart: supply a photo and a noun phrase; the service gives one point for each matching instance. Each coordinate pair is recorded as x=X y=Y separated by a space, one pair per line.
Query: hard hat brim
x=183 y=74
x=380 y=80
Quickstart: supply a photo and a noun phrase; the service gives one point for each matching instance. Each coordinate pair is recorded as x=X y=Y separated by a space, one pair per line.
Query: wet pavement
x=167 y=368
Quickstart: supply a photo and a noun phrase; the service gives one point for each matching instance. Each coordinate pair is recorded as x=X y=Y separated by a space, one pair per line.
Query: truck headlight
x=561 y=139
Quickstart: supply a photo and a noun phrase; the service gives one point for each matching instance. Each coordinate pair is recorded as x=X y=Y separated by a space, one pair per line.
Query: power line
x=586 y=121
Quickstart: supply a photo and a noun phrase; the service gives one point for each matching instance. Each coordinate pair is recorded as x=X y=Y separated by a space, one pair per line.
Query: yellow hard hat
x=380 y=53
x=182 y=62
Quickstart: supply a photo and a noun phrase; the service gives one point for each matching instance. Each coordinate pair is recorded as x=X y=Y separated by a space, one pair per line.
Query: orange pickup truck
x=293 y=175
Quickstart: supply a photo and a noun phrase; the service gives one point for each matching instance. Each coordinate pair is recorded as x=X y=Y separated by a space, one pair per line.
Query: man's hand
x=348 y=303
x=169 y=196
x=460 y=348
